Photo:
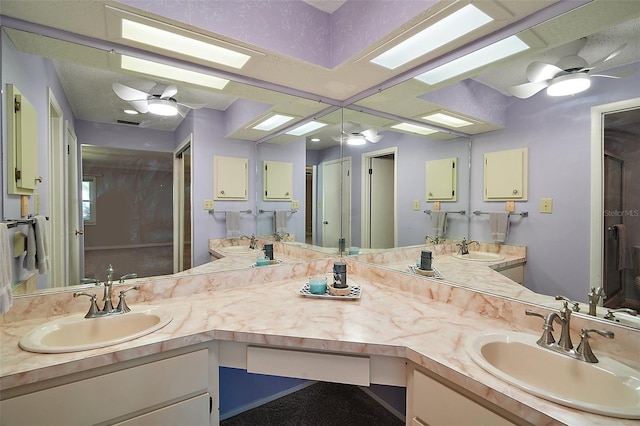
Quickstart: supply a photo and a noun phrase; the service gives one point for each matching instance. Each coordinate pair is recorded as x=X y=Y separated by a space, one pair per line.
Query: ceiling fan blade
x=526 y=90
x=169 y=91
x=619 y=74
x=607 y=58
x=191 y=105
x=371 y=135
x=127 y=93
x=541 y=71
x=141 y=106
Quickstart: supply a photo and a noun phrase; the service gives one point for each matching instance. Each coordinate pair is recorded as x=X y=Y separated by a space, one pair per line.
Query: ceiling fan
x=570 y=75
x=359 y=137
x=159 y=104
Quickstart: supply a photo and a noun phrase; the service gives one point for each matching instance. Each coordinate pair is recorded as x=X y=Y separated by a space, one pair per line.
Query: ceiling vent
x=127 y=122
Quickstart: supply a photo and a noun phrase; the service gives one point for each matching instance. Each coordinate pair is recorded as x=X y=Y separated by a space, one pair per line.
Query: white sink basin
x=607 y=387
x=479 y=256
x=76 y=333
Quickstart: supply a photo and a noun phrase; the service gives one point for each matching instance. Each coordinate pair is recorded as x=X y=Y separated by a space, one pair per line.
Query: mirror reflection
x=566 y=253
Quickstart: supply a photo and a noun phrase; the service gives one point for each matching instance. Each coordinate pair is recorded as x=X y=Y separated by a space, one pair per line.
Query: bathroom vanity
x=405 y=330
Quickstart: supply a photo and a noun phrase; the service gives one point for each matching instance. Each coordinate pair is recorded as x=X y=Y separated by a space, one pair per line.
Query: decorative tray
x=354 y=293
x=272 y=262
x=436 y=274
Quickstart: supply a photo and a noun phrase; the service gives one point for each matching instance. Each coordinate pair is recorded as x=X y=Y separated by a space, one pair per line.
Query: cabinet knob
x=221 y=192
x=326 y=222
x=431 y=194
x=515 y=191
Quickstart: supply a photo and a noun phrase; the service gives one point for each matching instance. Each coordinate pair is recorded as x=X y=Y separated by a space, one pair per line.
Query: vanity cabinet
x=278 y=181
x=147 y=391
x=506 y=175
x=231 y=178
x=431 y=402
x=441 y=179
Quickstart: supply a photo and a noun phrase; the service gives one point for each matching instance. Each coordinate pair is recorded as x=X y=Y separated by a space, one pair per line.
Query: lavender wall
x=294 y=152
x=557 y=133
x=413 y=152
x=208 y=141
x=33 y=76
x=123 y=136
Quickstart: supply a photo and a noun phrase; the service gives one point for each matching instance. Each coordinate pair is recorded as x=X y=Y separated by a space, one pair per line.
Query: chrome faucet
x=280 y=236
x=253 y=242
x=594 y=299
x=464 y=246
x=107 y=308
x=127 y=277
x=609 y=315
x=576 y=305
x=564 y=346
x=434 y=240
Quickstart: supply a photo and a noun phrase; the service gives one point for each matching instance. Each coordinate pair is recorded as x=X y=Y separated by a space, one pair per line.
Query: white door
x=336 y=202
x=74 y=227
x=381 y=225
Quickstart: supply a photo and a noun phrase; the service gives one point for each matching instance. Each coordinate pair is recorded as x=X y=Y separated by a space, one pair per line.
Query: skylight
x=447 y=119
x=450 y=28
x=272 y=122
x=306 y=128
x=414 y=128
x=492 y=53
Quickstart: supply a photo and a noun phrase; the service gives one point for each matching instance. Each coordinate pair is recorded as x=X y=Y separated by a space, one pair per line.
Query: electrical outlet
x=546 y=205
x=295 y=204
x=416 y=205
x=436 y=205
x=510 y=206
x=208 y=204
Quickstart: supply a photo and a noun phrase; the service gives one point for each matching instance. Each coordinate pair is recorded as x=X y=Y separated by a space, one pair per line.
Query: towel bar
x=248 y=211
x=273 y=211
x=462 y=212
x=523 y=214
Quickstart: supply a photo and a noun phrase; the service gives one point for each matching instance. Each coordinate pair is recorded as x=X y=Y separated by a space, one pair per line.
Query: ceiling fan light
x=356 y=140
x=162 y=107
x=569 y=84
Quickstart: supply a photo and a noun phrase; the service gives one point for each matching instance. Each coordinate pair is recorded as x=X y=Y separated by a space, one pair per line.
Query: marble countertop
x=399 y=315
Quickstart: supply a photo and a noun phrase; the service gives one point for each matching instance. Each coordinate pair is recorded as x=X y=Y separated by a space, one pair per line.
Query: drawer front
x=111 y=395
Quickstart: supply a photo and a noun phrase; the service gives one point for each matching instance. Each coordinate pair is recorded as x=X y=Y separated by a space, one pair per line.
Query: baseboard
x=383 y=403
x=246 y=407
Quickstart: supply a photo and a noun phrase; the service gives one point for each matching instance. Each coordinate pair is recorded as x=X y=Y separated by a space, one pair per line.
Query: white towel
x=6 y=299
x=37 y=256
x=233 y=224
x=439 y=223
x=499 y=225
x=280 y=221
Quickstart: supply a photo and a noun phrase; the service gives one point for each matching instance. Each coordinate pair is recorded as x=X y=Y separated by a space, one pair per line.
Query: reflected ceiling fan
x=359 y=137
x=163 y=104
x=570 y=75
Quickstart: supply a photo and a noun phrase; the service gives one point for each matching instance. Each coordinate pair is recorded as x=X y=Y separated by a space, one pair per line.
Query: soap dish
x=354 y=292
x=338 y=291
x=433 y=273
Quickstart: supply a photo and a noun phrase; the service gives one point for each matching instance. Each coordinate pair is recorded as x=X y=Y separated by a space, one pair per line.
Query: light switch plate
x=207 y=204
x=295 y=204
x=416 y=205
x=436 y=205
x=510 y=206
x=546 y=205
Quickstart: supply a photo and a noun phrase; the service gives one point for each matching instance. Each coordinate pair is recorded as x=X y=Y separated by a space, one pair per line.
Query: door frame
x=58 y=249
x=596 y=250
x=178 y=197
x=365 y=221
x=74 y=226
x=345 y=199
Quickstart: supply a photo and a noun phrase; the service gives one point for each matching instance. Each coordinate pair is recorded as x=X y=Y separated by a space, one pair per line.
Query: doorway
x=379 y=198
x=336 y=202
x=57 y=194
x=182 y=228
x=615 y=219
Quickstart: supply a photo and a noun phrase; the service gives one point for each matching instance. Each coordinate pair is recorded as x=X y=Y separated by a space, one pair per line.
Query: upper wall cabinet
x=22 y=134
x=231 y=178
x=441 y=179
x=278 y=181
x=505 y=175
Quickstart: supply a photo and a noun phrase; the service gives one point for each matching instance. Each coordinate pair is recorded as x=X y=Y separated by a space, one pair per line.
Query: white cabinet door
x=441 y=179
x=435 y=404
x=505 y=175
x=192 y=412
x=231 y=178
x=278 y=181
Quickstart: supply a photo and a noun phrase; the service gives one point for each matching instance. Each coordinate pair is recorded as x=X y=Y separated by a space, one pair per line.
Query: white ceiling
x=87 y=79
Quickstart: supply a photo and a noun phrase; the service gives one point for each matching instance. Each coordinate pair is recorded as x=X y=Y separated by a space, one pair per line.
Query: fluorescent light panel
x=172 y=73
x=447 y=120
x=450 y=28
x=156 y=37
x=306 y=128
x=273 y=122
x=492 y=53
x=414 y=128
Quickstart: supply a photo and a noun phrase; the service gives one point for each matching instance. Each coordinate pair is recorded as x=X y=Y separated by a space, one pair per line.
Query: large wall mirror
x=565 y=164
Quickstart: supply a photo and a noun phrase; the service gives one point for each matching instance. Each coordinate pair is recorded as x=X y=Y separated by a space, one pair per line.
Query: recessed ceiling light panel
x=306 y=128
x=414 y=128
x=447 y=119
x=481 y=57
x=450 y=28
x=273 y=122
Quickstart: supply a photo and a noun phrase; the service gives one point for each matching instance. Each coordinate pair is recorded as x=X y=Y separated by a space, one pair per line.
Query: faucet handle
x=576 y=305
x=584 y=348
x=128 y=277
x=122 y=304
x=547 y=327
x=93 y=309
